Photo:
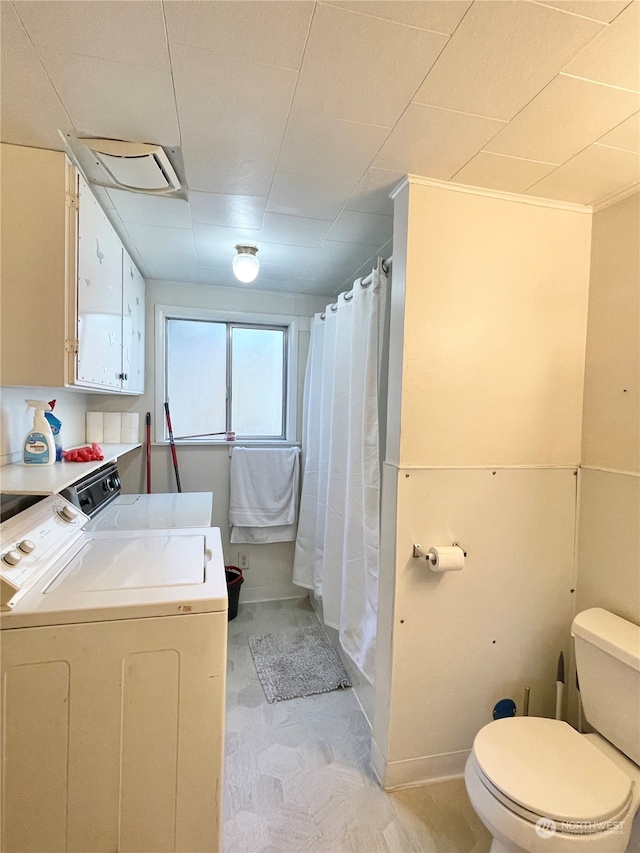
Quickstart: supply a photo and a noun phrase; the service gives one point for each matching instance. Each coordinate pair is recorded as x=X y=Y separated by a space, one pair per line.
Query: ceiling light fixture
x=245 y=264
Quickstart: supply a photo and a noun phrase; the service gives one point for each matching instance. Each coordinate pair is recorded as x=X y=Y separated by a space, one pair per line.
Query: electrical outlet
x=243 y=560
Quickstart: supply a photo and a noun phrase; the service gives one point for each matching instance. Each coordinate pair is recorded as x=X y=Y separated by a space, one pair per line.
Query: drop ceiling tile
x=566 y=117
x=30 y=107
x=216 y=245
x=592 y=176
x=130 y=32
x=435 y=142
x=254 y=107
x=293 y=230
x=363 y=69
x=626 y=135
x=179 y=272
x=313 y=288
x=307 y=195
x=218 y=276
x=277 y=275
x=438 y=17
x=372 y=193
x=91 y=91
x=332 y=260
x=235 y=167
x=614 y=56
x=318 y=144
x=236 y=211
x=165 y=251
x=280 y=254
x=273 y=285
x=502 y=55
x=599 y=10
x=498 y=172
x=270 y=278
x=146 y=209
x=353 y=226
x=269 y=33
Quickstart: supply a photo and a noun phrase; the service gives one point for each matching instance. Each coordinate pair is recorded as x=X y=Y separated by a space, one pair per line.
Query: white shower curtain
x=338 y=530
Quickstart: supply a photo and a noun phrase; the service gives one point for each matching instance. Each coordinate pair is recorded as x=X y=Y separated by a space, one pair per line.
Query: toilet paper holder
x=420 y=554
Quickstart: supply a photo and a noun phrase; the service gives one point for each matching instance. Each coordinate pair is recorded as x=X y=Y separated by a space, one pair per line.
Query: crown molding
x=483 y=191
x=614 y=199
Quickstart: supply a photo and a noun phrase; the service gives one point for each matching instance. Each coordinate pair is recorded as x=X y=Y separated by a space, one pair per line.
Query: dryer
x=113 y=681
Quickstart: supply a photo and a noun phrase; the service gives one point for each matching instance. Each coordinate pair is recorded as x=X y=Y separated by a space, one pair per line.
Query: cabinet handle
x=124 y=376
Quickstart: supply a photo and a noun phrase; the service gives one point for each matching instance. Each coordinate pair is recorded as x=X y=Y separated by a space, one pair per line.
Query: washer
x=113 y=679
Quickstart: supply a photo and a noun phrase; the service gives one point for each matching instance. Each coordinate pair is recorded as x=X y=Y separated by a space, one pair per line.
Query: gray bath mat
x=298 y=662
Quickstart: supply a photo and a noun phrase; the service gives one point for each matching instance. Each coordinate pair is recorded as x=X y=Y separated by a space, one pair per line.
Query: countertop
x=19 y=479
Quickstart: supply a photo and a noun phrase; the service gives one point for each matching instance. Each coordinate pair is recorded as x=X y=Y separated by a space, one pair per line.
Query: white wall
x=206 y=467
x=16 y=418
x=609 y=541
x=486 y=377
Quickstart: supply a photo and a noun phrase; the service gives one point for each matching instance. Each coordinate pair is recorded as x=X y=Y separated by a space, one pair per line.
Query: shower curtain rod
x=386 y=265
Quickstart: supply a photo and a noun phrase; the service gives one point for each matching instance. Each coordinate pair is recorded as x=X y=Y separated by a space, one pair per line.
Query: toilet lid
x=551 y=770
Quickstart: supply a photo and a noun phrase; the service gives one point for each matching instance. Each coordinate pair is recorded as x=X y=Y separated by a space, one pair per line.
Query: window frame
x=290 y=324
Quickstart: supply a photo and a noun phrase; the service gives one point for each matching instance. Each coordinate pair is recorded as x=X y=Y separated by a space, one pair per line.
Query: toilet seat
x=544 y=768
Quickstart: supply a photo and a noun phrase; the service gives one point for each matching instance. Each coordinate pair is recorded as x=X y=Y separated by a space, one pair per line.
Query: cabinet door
x=99 y=296
x=133 y=313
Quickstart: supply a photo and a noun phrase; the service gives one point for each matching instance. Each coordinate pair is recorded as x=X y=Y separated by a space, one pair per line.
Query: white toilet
x=540 y=786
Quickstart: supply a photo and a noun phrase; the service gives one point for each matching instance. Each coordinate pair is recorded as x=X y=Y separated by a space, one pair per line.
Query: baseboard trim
x=255 y=594
x=377 y=763
x=416 y=772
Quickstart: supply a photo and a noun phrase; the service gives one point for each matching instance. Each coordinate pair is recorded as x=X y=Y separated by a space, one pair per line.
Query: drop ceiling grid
x=31 y=109
x=472 y=83
x=436 y=43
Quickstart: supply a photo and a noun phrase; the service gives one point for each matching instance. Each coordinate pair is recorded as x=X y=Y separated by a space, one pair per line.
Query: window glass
x=257 y=381
x=225 y=376
x=196 y=376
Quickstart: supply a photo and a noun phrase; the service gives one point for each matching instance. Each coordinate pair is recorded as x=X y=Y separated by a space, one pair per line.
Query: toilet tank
x=608 y=663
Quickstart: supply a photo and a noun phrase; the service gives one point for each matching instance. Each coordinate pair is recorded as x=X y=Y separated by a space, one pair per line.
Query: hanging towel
x=264 y=493
x=263 y=535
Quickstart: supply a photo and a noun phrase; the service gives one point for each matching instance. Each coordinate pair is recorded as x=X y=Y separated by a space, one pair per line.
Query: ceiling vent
x=135 y=165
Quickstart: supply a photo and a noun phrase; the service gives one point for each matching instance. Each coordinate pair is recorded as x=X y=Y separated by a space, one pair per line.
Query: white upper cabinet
x=73 y=302
x=99 y=296
x=133 y=304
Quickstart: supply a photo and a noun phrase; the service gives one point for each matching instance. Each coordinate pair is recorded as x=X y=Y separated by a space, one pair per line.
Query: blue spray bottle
x=39 y=447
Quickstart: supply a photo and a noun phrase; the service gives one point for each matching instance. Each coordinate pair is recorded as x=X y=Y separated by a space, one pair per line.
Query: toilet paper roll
x=112 y=427
x=130 y=428
x=449 y=558
x=94 y=430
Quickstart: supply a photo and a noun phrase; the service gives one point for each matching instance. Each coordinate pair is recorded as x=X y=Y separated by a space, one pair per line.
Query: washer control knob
x=11 y=558
x=26 y=546
x=68 y=513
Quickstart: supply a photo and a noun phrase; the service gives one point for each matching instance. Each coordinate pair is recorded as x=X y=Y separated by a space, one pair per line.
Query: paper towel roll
x=112 y=427
x=130 y=428
x=94 y=427
x=450 y=558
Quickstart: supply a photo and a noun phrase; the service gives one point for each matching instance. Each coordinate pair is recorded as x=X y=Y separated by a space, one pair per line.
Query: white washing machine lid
x=155 y=512
x=547 y=768
x=107 y=576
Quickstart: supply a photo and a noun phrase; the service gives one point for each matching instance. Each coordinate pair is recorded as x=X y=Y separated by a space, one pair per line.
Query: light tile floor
x=297 y=773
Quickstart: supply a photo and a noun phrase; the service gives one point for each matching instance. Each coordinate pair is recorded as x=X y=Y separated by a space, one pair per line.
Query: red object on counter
x=84 y=454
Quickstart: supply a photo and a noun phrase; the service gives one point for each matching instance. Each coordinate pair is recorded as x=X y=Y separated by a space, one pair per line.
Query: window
x=222 y=374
